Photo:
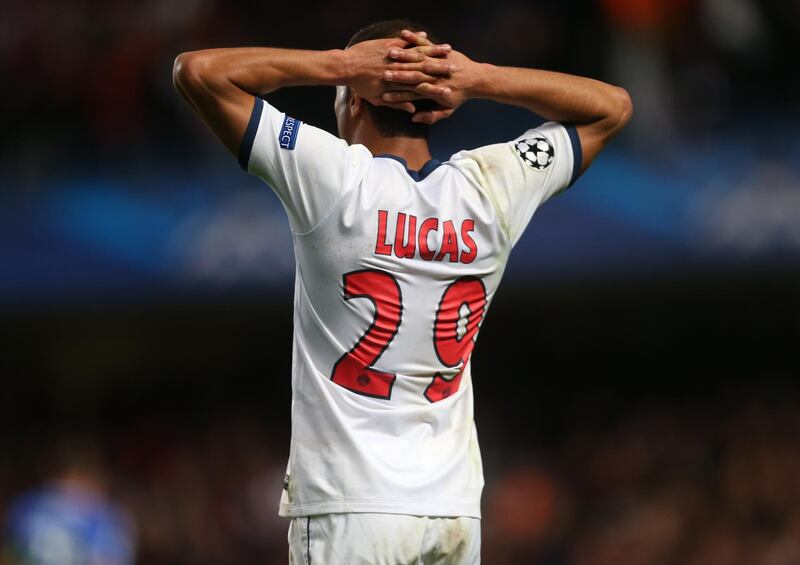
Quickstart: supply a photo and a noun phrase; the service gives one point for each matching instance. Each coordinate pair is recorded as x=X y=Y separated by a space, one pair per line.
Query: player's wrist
x=480 y=79
x=340 y=67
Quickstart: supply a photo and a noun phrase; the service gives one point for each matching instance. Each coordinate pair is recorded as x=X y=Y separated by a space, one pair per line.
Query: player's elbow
x=194 y=71
x=187 y=70
x=198 y=75
x=617 y=111
x=621 y=107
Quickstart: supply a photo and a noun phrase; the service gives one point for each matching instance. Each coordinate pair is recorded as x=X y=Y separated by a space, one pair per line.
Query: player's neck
x=414 y=150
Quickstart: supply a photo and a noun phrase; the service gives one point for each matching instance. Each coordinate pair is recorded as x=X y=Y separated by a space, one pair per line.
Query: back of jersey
x=395 y=273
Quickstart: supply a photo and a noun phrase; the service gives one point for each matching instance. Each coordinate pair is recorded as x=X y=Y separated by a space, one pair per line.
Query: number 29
x=458 y=318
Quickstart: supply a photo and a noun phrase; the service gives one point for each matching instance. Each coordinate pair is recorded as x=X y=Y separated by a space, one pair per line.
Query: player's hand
x=448 y=91
x=366 y=63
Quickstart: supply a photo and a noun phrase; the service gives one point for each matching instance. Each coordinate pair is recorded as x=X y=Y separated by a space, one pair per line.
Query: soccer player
x=398 y=257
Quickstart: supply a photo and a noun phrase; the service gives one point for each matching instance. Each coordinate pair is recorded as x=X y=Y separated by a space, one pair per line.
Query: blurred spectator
x=70 y=520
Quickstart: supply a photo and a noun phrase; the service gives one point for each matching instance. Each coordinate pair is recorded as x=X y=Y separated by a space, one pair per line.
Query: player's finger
x=406 y=55
x=401 y=96
x=408 y=107
x=435 y=50
x=432 y=50
x=432 y=67
x=400 y=104
x=422 y=117
x=436 y=67
x=439 y=93
x=432 y=116
x=408 y=77
x=417 y=38
x=418 y=54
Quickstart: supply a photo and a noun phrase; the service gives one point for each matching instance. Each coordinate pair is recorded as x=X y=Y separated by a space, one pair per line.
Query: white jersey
x=395 y=272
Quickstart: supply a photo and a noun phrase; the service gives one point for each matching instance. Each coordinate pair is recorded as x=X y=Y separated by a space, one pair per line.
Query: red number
x=354 y=369
x=461 y=310
x=460 y=313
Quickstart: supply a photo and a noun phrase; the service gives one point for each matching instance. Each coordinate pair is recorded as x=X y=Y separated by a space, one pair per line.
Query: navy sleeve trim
x=577 y=153
x=250 y=133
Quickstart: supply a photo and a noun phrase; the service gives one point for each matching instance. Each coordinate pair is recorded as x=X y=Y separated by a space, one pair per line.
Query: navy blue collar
x=426 y=169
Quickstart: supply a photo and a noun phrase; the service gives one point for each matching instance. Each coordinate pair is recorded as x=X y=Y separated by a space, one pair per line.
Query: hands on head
x=400 y=71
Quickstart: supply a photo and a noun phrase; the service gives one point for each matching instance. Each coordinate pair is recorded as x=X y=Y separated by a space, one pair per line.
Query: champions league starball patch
x=537 y=152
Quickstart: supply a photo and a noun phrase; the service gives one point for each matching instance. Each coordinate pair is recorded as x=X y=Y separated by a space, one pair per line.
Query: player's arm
x=220 y=84
x=598 y=110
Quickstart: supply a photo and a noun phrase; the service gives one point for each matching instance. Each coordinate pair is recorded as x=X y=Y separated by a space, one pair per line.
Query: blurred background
x=650 y=317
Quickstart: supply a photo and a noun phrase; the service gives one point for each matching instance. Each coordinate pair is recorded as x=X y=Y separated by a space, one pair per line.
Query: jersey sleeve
x=521 y=175
x=307 y=167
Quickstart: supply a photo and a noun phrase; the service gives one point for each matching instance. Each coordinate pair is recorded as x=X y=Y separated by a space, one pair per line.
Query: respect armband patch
x=287 y=137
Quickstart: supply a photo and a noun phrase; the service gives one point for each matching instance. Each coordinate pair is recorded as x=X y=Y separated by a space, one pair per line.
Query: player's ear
x=355 y=105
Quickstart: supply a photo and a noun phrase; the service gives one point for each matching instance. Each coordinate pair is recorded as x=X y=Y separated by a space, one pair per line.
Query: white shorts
x=384 y=539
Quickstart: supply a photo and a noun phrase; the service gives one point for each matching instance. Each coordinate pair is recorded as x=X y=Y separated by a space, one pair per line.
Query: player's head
x=388 y=122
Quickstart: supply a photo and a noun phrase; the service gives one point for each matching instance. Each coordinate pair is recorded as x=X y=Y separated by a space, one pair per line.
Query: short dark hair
x=389 y=121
